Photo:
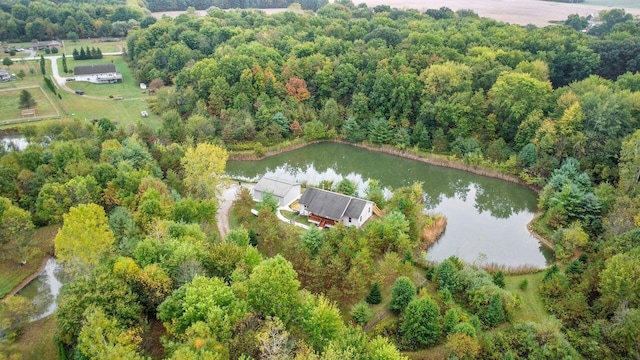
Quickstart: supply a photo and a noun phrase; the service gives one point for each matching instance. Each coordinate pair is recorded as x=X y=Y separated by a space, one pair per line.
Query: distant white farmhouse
x=97 y=74
x=284 y=191
x=326 y=208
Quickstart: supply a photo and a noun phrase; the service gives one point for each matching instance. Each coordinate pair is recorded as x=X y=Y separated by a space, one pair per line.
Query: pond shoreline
x=434 y=160
x=30 y=278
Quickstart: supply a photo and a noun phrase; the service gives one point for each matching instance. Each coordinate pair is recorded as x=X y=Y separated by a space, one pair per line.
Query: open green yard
x=32 y=75
x=104 y=46
x=129 y=88
x=68 y=46
x=10 y=104
x=125 y=112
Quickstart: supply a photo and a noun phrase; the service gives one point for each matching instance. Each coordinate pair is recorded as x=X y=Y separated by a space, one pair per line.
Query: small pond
x=44 y=290
x=14 y=142
x=486 y=217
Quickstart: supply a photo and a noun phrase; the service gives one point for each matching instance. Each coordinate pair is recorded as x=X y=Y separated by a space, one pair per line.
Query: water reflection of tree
x=498 y=202
x=342 y=161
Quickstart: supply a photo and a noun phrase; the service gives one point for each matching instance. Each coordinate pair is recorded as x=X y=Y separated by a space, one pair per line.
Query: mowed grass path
x=532 y=306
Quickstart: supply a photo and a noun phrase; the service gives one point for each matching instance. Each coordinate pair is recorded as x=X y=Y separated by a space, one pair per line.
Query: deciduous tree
x=203 y=167
x=84 y=239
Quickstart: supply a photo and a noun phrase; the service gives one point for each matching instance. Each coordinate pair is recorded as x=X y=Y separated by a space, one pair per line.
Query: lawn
x=10 y=104
x=126 y=112
x=129 y=88
x=37 y=341
x=296 y=217
x=31 y=79
x=532 y=307
x=68 y=46
x=11 y=274
x=104 y=46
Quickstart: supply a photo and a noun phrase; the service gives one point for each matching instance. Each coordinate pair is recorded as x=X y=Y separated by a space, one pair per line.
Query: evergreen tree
x=82 y=55
x=26 y=100
x=43 y=70
x=99 y=54
x=495 y=312
x=375 y=295
x=76 y=55
x=64 y=64
x=498 y=279
x=402 y=293
x=421 y=325
x=447 y=276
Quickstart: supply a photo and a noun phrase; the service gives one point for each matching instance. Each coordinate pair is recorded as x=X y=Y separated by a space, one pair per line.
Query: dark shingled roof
x=331 y=205
x=94 y=69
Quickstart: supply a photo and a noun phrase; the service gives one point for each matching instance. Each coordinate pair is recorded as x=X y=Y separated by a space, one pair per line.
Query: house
x=326 y=208
x=4 y=75
x=97 y=74
x=282 y=190
x=41 y=45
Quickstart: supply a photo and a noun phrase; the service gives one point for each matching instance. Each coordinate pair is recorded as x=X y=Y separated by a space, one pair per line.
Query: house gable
x=335 y=206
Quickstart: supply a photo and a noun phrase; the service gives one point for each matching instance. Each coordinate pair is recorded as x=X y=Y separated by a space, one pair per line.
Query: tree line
x=48 y=20
x=90 y=53
x=174 y=5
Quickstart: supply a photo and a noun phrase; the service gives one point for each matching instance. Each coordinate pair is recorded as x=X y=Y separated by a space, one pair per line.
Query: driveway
x=225 y=199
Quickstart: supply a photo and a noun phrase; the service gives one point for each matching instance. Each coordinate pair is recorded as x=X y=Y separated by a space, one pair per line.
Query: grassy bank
x=12 y=273
x=36 y=343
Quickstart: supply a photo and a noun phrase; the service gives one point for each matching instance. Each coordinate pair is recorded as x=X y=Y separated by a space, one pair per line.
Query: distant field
x=521 y=12
x=635 y=4
x=10 y=100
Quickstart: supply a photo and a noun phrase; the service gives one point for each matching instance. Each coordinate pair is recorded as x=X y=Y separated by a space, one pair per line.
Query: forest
x=557 y=107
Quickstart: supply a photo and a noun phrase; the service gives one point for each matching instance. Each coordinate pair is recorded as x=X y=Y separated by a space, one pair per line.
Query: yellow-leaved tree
x=203 y=167
x=84 y=239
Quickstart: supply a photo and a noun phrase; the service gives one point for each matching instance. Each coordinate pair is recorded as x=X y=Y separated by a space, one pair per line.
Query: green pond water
x=487 y=217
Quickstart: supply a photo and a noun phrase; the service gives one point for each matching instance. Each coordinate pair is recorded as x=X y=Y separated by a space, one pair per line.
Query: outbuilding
x=282 y=190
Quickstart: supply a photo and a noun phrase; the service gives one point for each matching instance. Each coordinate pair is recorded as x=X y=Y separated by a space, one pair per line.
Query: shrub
x=361 y=313
x=523 y=284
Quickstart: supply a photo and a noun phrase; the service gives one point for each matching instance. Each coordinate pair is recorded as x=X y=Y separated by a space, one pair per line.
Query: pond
x=14 y=142
x=44 y=290
x=486 y=217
